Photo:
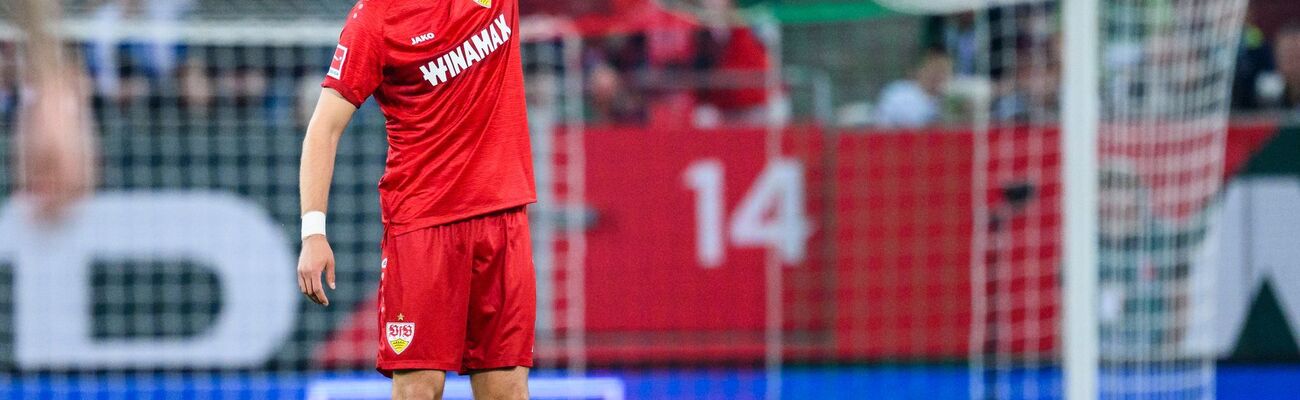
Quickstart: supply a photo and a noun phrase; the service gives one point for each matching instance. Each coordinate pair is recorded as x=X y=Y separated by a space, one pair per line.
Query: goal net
x=1167 y=77
x=1166 y=69
x=829 y=199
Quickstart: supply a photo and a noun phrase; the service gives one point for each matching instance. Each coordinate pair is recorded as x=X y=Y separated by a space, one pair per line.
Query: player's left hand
x=316 y=259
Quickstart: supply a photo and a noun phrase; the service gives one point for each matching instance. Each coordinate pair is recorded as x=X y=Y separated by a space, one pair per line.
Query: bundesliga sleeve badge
x=400 y=334
x=336 y=65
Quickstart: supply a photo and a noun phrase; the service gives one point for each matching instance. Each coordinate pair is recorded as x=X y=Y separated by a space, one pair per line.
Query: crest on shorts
x=484 y=3
x=399 y=334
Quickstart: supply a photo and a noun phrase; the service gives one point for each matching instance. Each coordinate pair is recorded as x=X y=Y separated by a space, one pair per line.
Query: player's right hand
x=316 y=257
x=56 y=149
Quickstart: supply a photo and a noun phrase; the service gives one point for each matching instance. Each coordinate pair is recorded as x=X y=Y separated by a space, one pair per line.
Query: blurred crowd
x=179 y=81
x=663 y=67
x=644 y=64
x=1015 y=77
x=1268 y=66
x=1023 y=64
x=161 y=78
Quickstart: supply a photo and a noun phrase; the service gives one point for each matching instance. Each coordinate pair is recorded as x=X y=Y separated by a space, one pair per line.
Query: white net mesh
x=1017 y=239
x=1167 y=74
x=835 y=260
x=1166 y=71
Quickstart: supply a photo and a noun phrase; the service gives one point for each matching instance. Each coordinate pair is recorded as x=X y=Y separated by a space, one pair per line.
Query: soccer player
x=457 y=289
x=55 y=149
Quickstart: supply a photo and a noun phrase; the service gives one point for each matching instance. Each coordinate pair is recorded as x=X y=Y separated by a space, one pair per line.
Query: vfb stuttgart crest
x=400 y=334
x=484 y=3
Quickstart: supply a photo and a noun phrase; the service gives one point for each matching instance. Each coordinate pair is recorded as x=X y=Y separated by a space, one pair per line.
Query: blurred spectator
x=917 y=102
x=615 y=65
x=736 y=63
x=133 y=85
x=244 y=80
x=194 y=84
x=155 y=55
x=956 y=35
x=1287 y=50
x=1254 y=68
x=613 y=101
x=1031 y=90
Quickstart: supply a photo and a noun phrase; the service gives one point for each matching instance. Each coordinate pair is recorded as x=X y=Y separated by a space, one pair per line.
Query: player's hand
x=55 y=149
x=316 y=257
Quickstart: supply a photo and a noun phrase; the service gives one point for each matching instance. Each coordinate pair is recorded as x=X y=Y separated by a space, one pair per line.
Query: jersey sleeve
x=357 y=66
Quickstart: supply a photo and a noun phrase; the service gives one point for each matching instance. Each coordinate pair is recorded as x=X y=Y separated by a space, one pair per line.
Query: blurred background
x=738 y=199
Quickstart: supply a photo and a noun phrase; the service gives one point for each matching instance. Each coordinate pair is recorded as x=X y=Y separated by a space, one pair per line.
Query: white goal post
x=1080 y=83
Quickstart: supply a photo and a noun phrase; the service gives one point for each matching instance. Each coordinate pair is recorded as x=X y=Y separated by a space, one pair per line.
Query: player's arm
x=317 y=169
x=37 y=20
x=355 y=72
x=55 y=145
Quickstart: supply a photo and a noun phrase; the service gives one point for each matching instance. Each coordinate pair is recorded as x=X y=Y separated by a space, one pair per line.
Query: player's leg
x=418 y=384
x=502 y=308
x=500 y=384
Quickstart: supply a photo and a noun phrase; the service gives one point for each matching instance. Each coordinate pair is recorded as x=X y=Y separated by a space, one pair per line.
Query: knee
x=511 y=392
x=418 y=390
x=506 y=395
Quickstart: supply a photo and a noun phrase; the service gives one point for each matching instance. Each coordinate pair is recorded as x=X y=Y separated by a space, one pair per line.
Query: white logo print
x=336 y=65
x=422 y=38
x=473 y=50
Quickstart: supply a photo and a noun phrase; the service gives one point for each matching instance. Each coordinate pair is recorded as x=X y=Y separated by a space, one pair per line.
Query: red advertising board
x=885 y=264
x=886 y=270
x=872 y=231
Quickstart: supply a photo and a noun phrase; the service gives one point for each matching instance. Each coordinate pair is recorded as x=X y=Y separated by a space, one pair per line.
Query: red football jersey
x=447 y=76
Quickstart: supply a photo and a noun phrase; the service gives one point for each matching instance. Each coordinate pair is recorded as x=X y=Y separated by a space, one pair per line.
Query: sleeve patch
x=336 y=65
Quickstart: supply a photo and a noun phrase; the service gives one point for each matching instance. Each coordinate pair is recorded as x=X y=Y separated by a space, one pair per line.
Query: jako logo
x=422 y=38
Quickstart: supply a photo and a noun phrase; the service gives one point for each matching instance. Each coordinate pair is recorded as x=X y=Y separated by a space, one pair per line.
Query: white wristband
x=313 y=223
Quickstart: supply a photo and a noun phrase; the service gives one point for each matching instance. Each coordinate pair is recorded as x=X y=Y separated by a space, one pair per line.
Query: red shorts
x=458 y=297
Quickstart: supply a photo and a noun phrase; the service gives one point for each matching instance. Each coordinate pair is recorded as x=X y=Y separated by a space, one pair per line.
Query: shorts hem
x=387 y=368
x=525 y=361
